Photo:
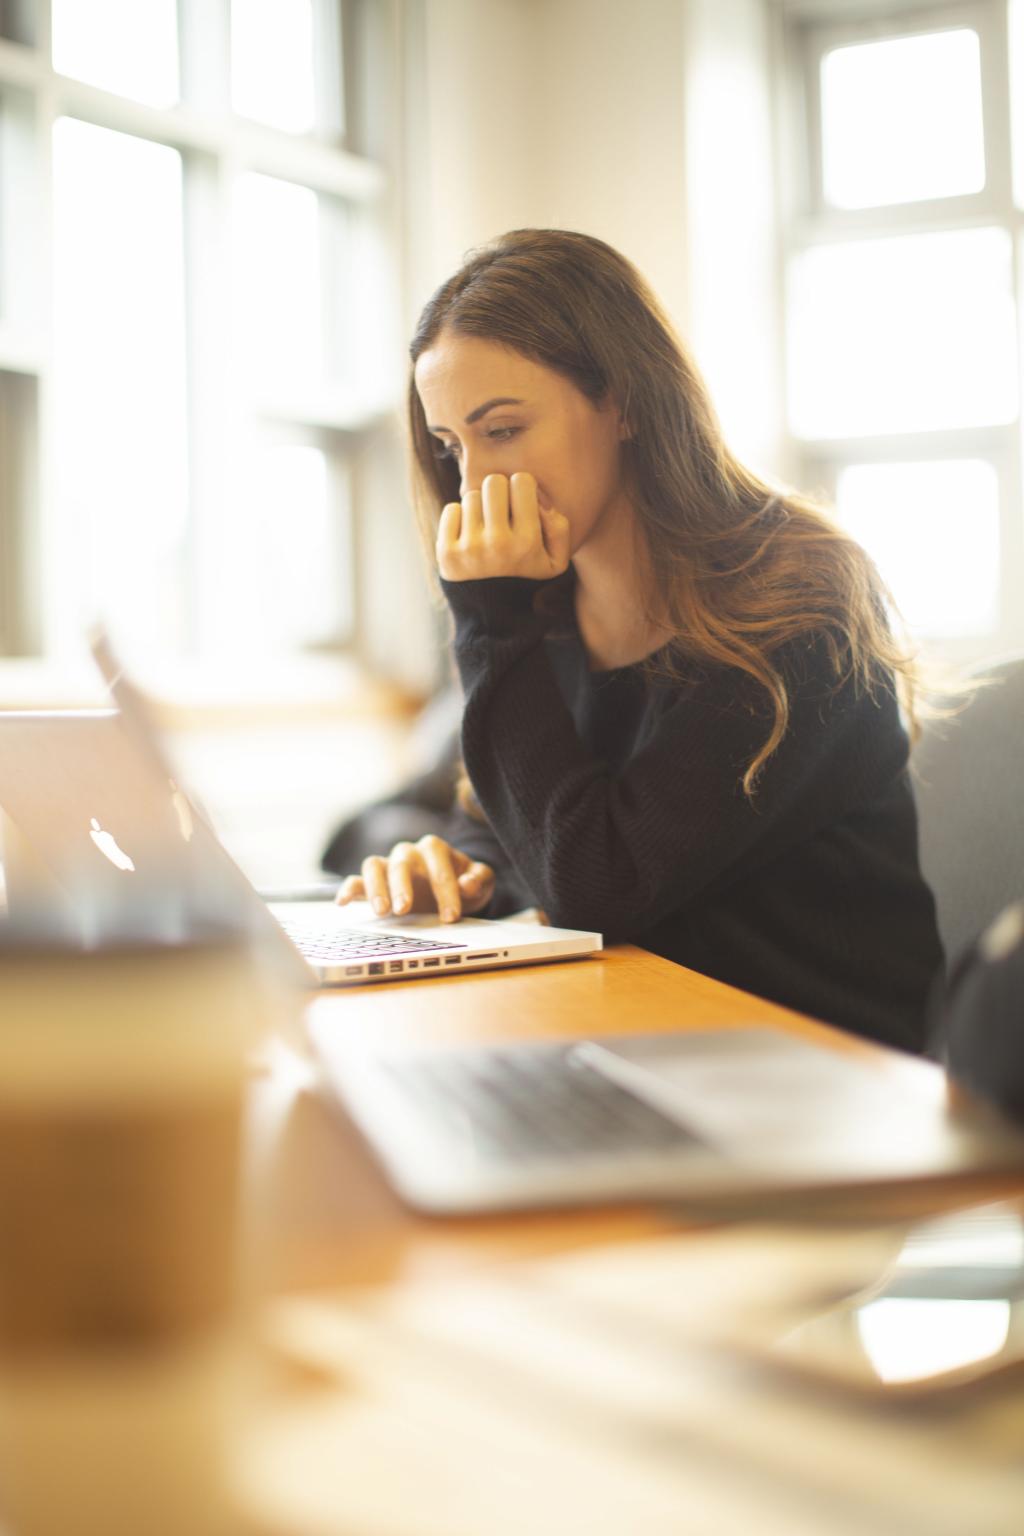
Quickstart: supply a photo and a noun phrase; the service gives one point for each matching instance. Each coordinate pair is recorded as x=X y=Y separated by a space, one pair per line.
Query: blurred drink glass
x=122 y=1075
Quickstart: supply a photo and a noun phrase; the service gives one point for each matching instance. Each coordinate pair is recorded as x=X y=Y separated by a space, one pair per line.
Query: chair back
x=969 y=782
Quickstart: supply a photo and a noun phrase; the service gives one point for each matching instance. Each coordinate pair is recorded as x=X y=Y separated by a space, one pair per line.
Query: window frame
x=216 y=145
x=805 y=31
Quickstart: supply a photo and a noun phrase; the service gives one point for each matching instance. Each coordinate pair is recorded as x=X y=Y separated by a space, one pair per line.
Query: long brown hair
x=739 y=569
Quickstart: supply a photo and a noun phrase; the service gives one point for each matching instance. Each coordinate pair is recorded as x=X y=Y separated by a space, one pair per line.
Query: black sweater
x=615 y=803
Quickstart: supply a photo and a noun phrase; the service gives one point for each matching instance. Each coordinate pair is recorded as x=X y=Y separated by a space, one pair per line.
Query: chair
x=969 y=783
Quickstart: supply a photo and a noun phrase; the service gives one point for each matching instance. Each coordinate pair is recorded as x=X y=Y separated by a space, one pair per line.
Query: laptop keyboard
x=529 y=1104
x=337 y=944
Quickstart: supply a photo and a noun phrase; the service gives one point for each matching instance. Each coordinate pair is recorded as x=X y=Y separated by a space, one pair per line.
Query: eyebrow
x=482 y=410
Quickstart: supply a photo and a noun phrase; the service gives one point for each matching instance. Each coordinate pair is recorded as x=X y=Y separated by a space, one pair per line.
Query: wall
x=613 y=131
x=561 y=112
x=647 y=124
x=732 y=223
x=479 y=150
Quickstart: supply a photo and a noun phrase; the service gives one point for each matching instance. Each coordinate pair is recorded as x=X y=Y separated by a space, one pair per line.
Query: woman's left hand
x=502 y=530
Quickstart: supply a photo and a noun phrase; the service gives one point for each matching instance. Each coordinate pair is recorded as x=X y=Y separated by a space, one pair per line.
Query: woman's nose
x=476 y=465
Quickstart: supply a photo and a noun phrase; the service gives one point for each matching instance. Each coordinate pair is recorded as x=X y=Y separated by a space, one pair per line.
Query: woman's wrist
x=494 y=604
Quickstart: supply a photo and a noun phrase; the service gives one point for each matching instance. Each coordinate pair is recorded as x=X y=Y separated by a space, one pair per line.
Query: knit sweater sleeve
x=479 y=840
x=618 y=850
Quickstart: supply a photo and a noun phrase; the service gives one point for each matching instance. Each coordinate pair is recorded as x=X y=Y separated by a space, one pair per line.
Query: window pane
x=278 y=319
x=901 y=120
x=119 y=327
x=901 y=335
x=284 y=574
x=932 y=529
x=272 y=62
x=126 y=46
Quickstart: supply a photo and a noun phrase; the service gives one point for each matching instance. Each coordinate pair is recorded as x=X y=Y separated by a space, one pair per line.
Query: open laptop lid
x=94 y=843
x=478 y=943
x=102 y=838
x=212 y=874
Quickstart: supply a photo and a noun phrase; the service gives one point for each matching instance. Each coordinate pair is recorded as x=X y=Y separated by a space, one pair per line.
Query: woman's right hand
x=503 y=529
x=428 y=876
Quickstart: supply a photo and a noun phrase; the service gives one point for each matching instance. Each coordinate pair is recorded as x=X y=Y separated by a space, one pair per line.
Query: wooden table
x=405 y=1416
x=331 y=1217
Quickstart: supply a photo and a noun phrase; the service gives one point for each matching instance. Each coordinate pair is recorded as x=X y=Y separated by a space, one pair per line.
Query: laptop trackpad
x=778 y=1101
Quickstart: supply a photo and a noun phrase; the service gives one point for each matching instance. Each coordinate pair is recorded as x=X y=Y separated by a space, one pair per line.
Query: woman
x=681 y=724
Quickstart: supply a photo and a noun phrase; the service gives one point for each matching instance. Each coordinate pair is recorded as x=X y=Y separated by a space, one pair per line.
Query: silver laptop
x=705 y=1117
x=99 y=834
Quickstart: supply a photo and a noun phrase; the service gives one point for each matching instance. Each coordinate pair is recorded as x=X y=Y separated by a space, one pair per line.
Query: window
x=905 y=234
x=196 y=249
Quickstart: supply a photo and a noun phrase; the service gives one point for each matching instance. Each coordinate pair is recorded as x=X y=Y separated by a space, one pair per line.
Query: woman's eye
x=493 y=434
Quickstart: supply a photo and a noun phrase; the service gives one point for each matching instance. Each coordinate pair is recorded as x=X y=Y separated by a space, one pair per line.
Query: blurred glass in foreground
x=122 y=1071
x=946 y=1313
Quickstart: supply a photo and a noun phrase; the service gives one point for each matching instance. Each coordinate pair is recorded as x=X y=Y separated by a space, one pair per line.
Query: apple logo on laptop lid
x=108 y=845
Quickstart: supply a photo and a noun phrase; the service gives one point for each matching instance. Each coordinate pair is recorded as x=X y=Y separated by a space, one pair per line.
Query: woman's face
x=495 y=411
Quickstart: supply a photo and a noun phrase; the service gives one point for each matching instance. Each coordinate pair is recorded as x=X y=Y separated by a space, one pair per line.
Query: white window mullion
x=995 y=87
x=54 y=578
x=265 y=150
x=204 y=49
x=329 y=67
x=20 y=63
x=24 y=306
x=207 y=185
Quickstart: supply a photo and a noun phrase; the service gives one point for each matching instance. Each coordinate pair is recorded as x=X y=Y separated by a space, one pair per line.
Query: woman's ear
x=625 y=427
x=608 y=404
